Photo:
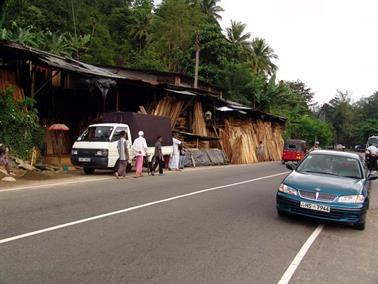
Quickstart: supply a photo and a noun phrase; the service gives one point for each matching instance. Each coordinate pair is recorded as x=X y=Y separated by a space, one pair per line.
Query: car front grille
x=86 y=152
x=317 y=196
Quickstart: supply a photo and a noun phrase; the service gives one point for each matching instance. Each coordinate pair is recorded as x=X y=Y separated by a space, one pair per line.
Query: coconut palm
x=139 y=28
x=261 y=57
x=236 y=35
x=209 y=8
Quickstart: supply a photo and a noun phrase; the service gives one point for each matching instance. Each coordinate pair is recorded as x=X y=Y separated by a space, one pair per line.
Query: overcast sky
x=328 y=44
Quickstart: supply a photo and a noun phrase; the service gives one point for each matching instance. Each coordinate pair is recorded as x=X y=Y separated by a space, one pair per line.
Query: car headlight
x=103 y=153
x=74 y=152
x=287 y=189
x=351 y=198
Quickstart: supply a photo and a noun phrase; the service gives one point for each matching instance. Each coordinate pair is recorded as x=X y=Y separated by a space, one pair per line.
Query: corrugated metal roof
x=58 y=62
x=187 y=93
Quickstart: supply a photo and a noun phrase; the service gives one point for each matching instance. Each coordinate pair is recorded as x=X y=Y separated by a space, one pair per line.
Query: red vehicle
x=294 y=150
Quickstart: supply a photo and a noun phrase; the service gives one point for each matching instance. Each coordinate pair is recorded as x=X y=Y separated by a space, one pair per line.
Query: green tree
x=261 y=57
x=237 y=36
x=19 y=127
x=139 y=28
x=210 y=9
x=340 y=115
x=366 y=118
x=173 y=26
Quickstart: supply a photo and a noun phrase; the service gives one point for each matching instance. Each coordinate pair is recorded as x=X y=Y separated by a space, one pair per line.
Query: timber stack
x=240 y=139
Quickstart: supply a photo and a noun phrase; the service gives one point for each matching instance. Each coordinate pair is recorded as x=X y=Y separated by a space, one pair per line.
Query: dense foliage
x=137 y=34
x=19 y=127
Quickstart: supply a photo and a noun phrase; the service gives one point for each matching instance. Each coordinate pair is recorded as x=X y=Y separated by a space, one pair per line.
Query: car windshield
x=96 y=133
x=331 y=165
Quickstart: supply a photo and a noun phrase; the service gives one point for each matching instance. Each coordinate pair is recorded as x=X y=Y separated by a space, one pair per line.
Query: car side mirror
x=291 y=166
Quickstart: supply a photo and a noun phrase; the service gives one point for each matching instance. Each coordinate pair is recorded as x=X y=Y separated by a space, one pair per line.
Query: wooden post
x=32 y=89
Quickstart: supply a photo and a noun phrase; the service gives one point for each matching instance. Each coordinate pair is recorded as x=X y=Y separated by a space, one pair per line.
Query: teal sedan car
x=327 y=185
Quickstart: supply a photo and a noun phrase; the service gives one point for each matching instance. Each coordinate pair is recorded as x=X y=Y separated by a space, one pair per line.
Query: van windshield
x=96 y=133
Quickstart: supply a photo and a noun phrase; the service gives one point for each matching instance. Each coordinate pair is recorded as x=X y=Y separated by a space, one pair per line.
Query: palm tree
x=209 y=8
x=139 y=28
x=261 y=57
x=236 y=35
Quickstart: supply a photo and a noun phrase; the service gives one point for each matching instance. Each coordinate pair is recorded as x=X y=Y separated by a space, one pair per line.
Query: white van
x=96 y=148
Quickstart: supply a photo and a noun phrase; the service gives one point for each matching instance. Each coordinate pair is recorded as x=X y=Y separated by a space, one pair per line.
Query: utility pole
x=197 y=62
x=73 y=18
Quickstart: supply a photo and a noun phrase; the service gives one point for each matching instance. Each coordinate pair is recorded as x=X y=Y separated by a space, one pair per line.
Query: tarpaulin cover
x=151 y=125
x=206 y=157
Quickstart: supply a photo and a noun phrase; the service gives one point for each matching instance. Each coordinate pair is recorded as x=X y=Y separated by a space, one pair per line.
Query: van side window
x=117 y=133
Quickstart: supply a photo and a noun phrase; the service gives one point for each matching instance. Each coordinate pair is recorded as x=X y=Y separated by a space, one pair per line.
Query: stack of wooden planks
x=199 y=124
x=8 y=80
x=169 y=107
x=240 y=139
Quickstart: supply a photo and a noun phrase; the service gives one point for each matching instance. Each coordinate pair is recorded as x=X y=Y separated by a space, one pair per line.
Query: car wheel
x=282 y=213
x=283 y=162
x=88 y=171
x=360 y=226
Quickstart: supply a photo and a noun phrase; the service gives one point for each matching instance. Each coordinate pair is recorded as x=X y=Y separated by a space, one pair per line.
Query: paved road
x=227 y=232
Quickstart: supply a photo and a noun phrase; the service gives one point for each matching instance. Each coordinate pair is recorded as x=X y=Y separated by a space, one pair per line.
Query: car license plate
x=316 y=207
x=84 y=159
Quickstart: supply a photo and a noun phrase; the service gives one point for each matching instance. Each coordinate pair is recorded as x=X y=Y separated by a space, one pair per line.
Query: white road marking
x=7 y=240
x=66 y=182
x=300 y=255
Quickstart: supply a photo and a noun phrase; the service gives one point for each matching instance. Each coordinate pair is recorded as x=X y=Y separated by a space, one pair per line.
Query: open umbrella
x=59 y=127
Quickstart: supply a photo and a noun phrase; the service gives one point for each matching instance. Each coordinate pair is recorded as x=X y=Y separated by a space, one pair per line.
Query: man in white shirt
x=140 y=150
x=371 y=157
x=372 y=150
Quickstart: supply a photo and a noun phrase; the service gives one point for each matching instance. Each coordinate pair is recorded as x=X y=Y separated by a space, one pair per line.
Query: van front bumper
x=91 y=162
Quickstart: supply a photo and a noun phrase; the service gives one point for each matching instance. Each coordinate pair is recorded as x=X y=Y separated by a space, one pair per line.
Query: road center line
x=7 y=240
x=300 y=255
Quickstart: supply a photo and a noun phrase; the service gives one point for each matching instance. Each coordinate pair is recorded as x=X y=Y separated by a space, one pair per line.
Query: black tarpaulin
x=151 y=125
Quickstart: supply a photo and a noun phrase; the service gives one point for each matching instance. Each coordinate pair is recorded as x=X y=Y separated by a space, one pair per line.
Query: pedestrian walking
x=157 y=160
x=123 y=153
x=175 y=160
x=4 y=161
x=140 y=150
x=260 y=152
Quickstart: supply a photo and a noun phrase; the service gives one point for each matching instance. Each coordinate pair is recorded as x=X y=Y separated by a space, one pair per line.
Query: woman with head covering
x=140 y=150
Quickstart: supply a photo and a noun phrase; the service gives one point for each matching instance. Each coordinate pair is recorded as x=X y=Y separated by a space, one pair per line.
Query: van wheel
x=88 y=171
